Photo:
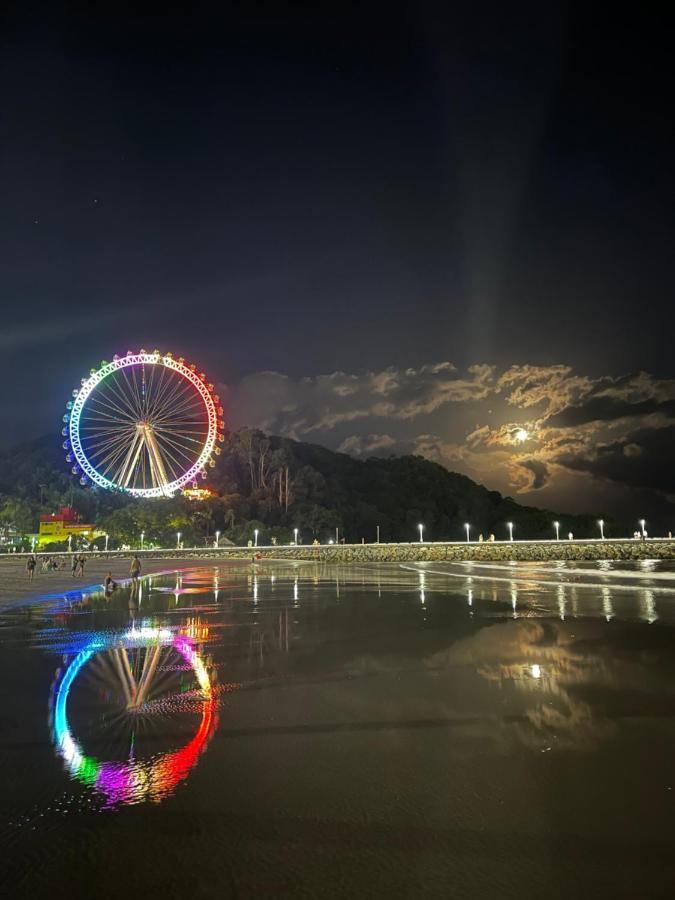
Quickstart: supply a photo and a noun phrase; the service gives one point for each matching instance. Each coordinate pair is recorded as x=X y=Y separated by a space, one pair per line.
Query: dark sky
x=348 y=188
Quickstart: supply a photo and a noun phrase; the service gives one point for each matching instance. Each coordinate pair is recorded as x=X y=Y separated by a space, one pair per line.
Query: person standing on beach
x=80 y=564
x=73 y=565
x=135 y=569
x=31 y=562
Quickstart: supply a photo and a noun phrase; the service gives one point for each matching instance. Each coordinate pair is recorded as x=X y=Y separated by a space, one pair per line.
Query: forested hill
x=277 y=484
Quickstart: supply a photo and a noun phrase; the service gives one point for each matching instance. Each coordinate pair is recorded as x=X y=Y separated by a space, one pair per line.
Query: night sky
x=385 y=228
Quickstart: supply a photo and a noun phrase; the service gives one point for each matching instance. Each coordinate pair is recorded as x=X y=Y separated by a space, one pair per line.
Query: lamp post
x=601 y=523
x=217 y=539
x=178 y=540
x=421 y=528
x=642 y=525
x=142 y=539
x=255 y=537
x=378 y=534
x=510 y=527
x=556 y=525
x=468 y=528
x=32 y=543
x=70 y=542
x=106 y=542
x=295 y=536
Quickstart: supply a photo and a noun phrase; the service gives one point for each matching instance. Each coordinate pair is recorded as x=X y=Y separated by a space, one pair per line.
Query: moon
x=521 y=435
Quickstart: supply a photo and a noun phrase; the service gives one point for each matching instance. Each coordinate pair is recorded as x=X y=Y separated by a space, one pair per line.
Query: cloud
x=368 y=445
x=304 y=405
x=642 y=459
x=602 y=429
x=537 y=474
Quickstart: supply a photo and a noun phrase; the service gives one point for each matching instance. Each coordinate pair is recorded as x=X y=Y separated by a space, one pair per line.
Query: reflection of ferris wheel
x=142 y=662
x=144 y=423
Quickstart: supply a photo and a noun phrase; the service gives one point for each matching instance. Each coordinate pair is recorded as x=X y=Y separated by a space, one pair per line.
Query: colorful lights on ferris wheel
x=145 y=434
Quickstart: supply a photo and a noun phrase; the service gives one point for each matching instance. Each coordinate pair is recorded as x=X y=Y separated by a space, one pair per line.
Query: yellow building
x=58 y=527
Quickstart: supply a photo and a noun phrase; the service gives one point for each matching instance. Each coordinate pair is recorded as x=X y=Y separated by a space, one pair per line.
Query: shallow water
x=440 y=729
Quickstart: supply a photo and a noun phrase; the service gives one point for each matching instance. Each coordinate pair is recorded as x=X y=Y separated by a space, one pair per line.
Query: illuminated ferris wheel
x=145 y=423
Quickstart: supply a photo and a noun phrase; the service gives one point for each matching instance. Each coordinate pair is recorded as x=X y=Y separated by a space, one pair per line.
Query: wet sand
x=15 y=586
x=309 y=730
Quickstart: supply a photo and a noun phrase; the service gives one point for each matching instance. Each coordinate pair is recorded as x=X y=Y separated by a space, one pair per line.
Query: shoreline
x=16 y=588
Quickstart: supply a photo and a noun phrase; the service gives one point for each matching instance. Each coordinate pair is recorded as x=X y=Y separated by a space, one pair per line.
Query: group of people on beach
x=53 y=564
x=47 y=563
x=77 y=565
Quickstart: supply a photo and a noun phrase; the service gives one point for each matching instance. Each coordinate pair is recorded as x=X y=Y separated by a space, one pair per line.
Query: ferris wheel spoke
x=102 y=403
x=104 y=421
x=162 y=396
x=115 y=448
x=181 y=440
x=183 y=401
x=105 y=443
x=180 y=392
x=132 y=392
x=111 y=464
x=190 y=458
x=155 y=395
x=185 y=433
x=186 y=423
x=115 y=387
x=169 y=460
x=149 y=387
x=101 y=430
x=111 y=385
x=132 y=377
x=101 y=452
x=181 y=434
x=98 y=408
x=123 y=475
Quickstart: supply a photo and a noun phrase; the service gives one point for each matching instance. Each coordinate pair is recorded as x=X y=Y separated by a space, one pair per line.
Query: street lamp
x=510 y=527
x=142 y=538
x=378 y=534
x=106 y=542
x=556 y=525
x=32 y=542
x=468 y=527
x=295 y=535
x=642 y=525
x=421 y=528
x=217 y=539
x=601 y=523
x=255 y=536
x=178 y=540
x=70 y=542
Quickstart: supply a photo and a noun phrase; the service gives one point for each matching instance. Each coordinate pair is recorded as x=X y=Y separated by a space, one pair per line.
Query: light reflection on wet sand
x=480 y=701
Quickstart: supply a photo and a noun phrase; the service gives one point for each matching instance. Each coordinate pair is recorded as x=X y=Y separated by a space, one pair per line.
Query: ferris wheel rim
x=90 y=384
